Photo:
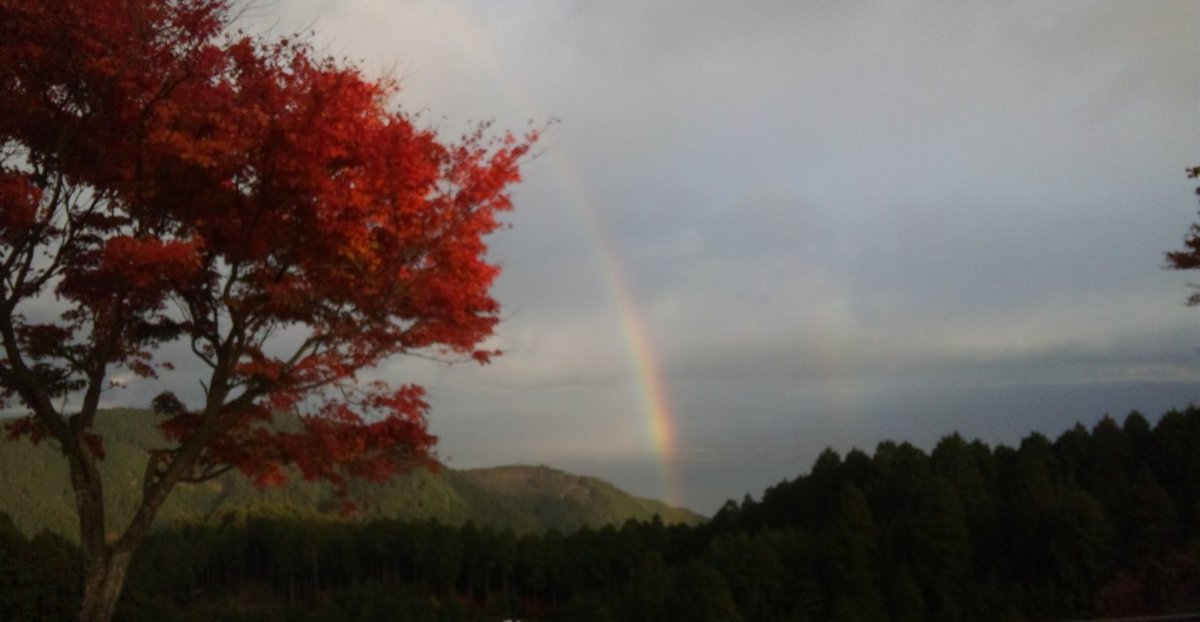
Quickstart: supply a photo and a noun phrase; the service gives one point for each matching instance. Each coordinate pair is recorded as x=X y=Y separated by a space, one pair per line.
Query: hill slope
x=34 y=490
x=558 y=498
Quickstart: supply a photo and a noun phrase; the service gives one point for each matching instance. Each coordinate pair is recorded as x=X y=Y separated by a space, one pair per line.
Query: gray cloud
x=839 y=222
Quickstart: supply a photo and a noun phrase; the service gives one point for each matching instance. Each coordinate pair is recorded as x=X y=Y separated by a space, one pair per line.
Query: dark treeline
x=1098 y=523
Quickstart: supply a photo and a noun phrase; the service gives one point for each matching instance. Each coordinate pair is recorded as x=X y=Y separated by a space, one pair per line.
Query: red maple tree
x=167 y=179
x=1189 y=258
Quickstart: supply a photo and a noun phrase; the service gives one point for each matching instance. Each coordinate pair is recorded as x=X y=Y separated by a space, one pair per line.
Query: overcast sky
x=838 y=222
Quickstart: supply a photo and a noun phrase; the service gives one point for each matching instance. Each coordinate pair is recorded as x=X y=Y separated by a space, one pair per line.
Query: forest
x=1100 y=522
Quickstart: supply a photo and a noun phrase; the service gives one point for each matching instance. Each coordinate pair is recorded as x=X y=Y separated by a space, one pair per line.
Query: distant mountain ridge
x=34 y=491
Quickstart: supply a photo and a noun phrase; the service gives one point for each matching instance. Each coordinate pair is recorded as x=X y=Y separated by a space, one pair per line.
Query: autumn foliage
x=1189 y=258
x=166 y=178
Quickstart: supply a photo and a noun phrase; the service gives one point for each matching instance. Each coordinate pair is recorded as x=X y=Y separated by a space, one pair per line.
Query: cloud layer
x=836 y=221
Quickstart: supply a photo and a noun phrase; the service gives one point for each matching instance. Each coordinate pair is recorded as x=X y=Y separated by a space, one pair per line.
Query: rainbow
x=474 y=38
x=652 y=388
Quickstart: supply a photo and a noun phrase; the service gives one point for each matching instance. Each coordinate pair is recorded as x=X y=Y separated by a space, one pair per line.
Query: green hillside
x=34 y=490
x=571 y=501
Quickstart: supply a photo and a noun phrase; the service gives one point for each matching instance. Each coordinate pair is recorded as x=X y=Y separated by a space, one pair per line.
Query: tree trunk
x=106 y=564
x=102 y=586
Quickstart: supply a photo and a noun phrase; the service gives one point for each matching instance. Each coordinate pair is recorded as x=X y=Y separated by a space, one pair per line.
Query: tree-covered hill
x=1096 y=523
x=35 y=493
x=568 y=501
x=1100 y=523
